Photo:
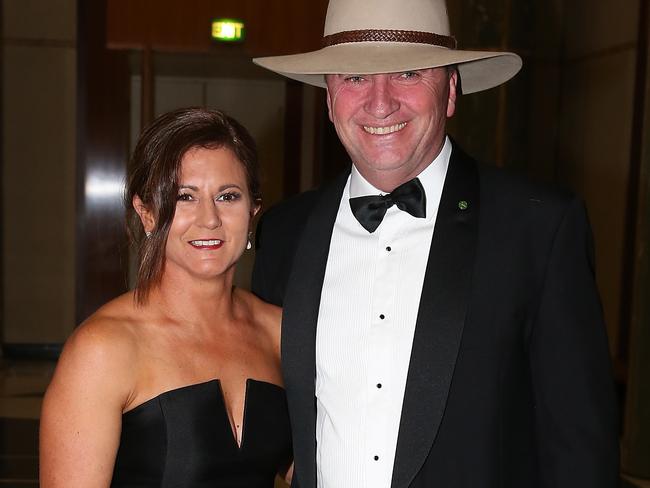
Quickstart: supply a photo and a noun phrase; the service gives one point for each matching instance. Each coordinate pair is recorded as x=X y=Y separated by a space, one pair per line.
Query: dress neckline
x=194 y=385
x=237 y=443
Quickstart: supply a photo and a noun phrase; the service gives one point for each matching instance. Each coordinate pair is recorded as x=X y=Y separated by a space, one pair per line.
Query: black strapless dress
x=183 y=438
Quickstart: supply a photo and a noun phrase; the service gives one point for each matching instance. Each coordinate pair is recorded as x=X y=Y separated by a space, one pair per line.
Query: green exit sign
x=228 y=30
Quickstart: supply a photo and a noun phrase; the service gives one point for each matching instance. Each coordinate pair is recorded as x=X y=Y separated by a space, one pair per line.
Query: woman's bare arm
x=82 y=408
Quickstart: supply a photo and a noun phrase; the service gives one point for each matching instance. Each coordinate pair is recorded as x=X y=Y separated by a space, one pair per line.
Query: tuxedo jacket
x=509 y=382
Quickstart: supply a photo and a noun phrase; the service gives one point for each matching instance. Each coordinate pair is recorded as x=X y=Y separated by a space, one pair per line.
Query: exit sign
x=228 y=30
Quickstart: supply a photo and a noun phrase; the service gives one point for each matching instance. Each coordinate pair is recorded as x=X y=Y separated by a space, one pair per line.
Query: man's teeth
x=212 y=242
x=384 y=130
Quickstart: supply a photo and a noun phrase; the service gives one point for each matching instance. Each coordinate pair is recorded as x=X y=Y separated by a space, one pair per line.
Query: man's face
x=392 y=124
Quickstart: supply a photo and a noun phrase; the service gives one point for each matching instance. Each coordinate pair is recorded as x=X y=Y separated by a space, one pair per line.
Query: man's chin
x=384 y=164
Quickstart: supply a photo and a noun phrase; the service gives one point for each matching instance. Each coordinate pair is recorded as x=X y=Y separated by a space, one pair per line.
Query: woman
x=177 y=383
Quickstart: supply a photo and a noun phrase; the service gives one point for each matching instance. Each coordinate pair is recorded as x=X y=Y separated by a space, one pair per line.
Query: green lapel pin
x=463 y=205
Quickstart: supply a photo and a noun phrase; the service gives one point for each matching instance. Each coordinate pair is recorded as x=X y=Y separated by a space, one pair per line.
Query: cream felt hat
x=387 y=36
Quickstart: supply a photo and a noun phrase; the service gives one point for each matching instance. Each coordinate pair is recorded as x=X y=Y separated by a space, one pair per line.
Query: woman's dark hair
x=154 y=172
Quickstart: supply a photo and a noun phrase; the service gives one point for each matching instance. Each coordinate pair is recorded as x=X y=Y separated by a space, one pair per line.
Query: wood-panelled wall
x=102 y=152
x=272 y=27
x=635 y=447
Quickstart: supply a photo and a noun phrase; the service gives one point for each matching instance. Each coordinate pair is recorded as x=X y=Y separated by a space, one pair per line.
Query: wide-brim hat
x=388 y=36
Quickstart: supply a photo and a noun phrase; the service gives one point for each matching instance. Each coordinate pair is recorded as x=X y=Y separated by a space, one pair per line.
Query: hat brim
x=479 y=70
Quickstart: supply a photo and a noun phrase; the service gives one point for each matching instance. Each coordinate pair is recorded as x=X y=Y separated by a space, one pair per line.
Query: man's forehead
x=426 y=72
x=367 y=75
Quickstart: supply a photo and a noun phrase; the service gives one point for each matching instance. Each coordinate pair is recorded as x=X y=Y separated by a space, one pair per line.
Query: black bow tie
x=370 y=210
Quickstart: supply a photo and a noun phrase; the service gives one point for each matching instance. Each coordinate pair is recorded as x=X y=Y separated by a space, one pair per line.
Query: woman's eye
x=184 y=197
x=229 y=197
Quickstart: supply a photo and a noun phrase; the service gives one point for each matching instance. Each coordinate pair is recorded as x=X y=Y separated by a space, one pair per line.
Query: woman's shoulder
x=260 y=311
x=114 y=325
x=100 y=357
x=265 y=316
x=107 y=340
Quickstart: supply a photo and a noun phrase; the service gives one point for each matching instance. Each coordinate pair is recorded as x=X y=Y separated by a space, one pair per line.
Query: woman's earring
x=148 y=233
x=249 y=244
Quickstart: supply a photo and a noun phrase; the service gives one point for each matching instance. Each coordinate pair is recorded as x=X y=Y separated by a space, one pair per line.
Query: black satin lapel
x=445 y=295
x=300 y=315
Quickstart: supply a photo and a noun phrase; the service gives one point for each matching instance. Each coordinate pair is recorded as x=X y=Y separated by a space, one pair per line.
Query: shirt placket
x=379 y=386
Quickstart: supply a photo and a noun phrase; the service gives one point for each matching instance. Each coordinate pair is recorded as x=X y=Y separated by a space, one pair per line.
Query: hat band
x=381 y=35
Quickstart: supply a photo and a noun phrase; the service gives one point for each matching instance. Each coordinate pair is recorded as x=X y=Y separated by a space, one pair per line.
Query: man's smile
x=384 y=130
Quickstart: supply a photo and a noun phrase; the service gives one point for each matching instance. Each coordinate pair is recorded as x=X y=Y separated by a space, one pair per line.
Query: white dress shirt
x=366 y=321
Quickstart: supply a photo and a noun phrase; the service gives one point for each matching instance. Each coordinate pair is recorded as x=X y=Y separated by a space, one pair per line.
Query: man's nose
x=381 y=101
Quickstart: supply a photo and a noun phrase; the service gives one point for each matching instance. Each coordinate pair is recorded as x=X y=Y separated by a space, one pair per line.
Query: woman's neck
x=192 y=300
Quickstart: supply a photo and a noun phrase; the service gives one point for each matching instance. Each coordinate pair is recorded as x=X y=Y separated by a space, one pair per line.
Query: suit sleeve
x=575 y=404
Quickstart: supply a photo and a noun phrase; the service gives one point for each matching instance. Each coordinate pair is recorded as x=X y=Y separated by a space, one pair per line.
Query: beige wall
x=39 y=82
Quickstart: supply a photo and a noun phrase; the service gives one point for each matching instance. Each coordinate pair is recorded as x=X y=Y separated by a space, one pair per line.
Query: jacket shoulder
x=277 y=235
x=290 y=213
x=516 y=193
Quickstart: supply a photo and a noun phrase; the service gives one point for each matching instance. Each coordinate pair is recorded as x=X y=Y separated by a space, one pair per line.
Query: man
x=441 y=326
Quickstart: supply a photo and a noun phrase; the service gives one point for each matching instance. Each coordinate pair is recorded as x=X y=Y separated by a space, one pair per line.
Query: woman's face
x=213 y=213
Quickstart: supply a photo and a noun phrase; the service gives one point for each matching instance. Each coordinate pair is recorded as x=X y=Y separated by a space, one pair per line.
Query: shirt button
x=382 y=316
x=378 y=385
x=376 y=458
x=389 y=249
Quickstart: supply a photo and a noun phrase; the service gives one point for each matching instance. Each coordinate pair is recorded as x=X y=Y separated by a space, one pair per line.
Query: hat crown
x=411 y=15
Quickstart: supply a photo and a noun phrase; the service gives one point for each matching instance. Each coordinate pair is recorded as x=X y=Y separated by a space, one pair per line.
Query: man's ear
x=451 y=101
x=146 y=216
